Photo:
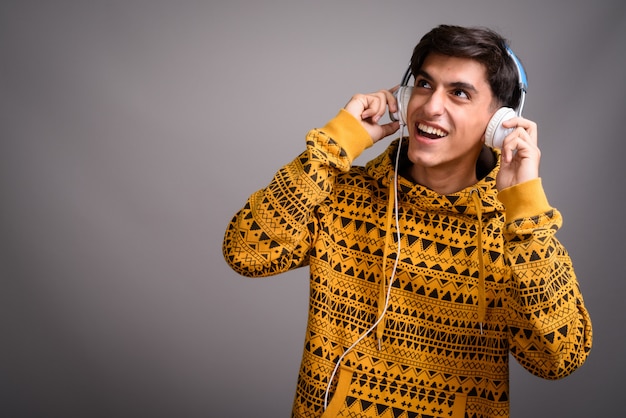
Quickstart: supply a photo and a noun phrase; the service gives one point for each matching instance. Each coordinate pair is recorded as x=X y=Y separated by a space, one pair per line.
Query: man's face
x=448 y=113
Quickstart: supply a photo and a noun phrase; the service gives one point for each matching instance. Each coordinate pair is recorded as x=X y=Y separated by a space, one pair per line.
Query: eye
x=461 y=94
x=420 y=82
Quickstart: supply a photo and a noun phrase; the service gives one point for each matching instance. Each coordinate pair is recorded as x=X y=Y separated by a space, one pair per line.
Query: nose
x=435 y=104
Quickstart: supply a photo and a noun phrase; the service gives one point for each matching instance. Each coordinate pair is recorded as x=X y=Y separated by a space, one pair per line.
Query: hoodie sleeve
x=273 y=232
x=550 y=329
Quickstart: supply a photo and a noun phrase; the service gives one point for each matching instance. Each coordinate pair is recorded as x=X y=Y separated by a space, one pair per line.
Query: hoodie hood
x=382 y=168
x=479 y=200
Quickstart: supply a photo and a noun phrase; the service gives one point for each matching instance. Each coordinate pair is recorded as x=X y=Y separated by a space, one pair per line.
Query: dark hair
x=481 y=44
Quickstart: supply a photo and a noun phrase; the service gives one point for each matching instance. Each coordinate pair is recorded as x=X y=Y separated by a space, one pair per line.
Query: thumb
x=385 y=130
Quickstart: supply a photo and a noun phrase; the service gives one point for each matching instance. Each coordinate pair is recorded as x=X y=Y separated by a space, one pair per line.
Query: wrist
x=524 y=200
x=348 y=132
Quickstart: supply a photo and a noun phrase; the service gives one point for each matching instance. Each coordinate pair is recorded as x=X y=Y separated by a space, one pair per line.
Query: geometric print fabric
x=434 y=358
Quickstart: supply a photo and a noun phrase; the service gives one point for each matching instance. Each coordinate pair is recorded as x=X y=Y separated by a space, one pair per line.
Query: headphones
x=495 y=132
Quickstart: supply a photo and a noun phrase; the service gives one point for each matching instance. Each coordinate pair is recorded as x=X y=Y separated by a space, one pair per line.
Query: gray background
x=131 y=131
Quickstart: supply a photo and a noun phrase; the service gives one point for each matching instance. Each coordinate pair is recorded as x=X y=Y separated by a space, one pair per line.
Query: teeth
x=431 y=130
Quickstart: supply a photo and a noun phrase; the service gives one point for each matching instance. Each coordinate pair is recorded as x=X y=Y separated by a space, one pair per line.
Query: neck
x=443 y=181
x=454 y=176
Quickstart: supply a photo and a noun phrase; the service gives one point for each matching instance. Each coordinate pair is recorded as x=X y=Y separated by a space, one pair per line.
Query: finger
x=388 y=129
x=512 y=150
x=392 y=102
x=524 y=128
x=383 y=96
x=520 y=122
x=520 y=145
x=372 y=106
x=377 y=105
x=360 y=106
x=387 y=102
x=526 y=135
x=521 y=134
x=515 y=122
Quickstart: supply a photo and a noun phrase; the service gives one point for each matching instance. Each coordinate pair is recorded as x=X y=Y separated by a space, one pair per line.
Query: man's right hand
x=370 y=108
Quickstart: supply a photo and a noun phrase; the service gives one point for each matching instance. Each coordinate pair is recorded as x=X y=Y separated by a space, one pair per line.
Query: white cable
x=393 y=274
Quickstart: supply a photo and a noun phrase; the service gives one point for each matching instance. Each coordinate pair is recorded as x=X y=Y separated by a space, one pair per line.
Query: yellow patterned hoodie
x=426 y=332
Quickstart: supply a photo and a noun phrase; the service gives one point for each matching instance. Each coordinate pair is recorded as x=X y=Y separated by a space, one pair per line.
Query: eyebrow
x=456 y=84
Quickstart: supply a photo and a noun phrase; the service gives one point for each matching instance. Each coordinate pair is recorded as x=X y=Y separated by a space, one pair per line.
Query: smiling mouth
x=430 y=132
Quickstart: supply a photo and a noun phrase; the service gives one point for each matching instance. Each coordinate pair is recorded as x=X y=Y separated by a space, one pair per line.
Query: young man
x=423 y=275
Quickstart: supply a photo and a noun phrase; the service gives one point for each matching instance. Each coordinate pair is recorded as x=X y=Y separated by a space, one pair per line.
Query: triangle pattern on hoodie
x=435 y=358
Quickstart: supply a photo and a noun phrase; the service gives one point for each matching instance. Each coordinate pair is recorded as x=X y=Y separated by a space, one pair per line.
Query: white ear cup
x=403 y=94
x=495 y=133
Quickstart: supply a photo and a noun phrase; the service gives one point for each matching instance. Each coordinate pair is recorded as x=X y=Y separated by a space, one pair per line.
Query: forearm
x=273 y=231
x=549 y=326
